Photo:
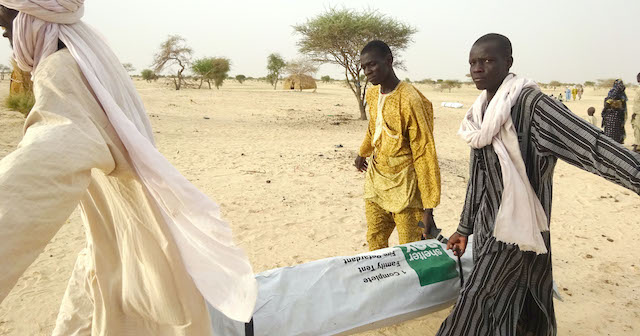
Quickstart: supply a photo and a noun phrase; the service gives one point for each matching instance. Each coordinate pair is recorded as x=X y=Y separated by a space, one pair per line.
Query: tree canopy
x=338 y=35
x=211 y=69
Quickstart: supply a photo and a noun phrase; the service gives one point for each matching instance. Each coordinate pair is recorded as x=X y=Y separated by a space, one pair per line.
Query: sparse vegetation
x=325 y=79
x=450 y=84
x=241 y=78
x=555 y=84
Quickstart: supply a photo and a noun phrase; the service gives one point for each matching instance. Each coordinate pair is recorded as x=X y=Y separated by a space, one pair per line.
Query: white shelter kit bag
x=345 y=295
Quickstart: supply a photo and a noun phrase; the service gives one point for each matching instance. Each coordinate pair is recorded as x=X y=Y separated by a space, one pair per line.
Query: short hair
x=503 y=43
x=378 y=47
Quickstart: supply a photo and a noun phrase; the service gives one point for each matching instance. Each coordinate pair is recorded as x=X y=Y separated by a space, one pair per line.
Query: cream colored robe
x=129 y=280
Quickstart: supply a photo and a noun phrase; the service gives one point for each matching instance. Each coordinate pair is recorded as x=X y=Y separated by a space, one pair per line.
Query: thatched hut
x=299 y=82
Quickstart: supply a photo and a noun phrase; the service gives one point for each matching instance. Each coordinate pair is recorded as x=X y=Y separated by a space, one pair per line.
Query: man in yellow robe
x=145 y=270
x=402 y=183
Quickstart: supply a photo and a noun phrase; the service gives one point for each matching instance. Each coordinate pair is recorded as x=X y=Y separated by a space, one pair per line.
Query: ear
x=389 y=61
x=509 y=62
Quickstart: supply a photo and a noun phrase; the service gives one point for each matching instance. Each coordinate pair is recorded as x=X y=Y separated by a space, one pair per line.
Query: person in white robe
x=157 y=250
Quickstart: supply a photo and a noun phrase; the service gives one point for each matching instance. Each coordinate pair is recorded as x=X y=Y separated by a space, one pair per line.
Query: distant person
x=574 y=93
x=591 y=111
x=567 y=93
x=156 y=246
x=560 y=97
x=580 y=92
x=614 y=113
x=635 y=119
x=517 y=134
x=402 y=184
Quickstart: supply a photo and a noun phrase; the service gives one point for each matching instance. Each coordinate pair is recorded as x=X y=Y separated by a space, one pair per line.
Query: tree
x=554 y=84
x=221 y=67
x=211 y=69
x=149 y=75
x=4 y=70
x=203 y=68
x=590 y=83
x=128 y=67
x=275 y=64
x=325 y=79
x=450 y=84
x=407 y=80
x=173 y=51
x=241 y=78
x=338 y=36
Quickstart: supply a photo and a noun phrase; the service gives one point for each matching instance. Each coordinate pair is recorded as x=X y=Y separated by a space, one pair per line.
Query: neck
x=492 y=92
x=389 y=84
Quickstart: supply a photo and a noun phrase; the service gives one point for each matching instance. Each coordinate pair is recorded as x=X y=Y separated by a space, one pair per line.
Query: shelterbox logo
x=430 y=262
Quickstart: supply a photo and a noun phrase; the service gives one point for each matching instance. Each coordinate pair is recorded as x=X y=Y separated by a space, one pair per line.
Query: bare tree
x=174 y=51
x=338 y=36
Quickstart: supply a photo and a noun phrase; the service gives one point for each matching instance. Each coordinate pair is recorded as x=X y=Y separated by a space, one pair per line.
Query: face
x=6 y=21
x=638 y=78
x=375 y=67
x=488 y=66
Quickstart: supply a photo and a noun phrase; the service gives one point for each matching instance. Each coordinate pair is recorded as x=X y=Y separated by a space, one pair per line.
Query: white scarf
x=219 y=269
x=520 y=218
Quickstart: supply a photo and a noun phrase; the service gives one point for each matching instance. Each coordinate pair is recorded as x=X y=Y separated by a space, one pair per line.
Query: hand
x=361 y=163
x=458 y=243
x=429 y=222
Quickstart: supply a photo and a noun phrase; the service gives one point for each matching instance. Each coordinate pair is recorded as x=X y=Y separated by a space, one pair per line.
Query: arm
x=42 y=181
x=366 y=149
x=557 y=131
x=423 y=149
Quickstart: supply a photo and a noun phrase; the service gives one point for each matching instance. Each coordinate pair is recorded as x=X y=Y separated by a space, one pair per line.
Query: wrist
x=428 y=212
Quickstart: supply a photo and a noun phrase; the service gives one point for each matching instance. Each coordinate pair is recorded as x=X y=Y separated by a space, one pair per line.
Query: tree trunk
x=176 y=83
x=201 y=81
x=363 y=112
x=358 y=93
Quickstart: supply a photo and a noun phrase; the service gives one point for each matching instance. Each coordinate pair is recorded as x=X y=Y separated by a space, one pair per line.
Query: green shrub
x=20 y=102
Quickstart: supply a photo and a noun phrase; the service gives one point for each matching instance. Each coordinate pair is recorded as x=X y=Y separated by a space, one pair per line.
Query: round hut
x=299 y=82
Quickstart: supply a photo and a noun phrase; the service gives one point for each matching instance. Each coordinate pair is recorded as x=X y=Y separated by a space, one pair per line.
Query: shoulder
x=59 y=66
x=412 y=95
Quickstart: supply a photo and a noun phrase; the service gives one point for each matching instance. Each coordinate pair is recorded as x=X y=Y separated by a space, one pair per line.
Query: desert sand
x=280 y=163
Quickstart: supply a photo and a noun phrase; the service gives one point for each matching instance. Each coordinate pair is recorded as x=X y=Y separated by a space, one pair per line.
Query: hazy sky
x=570 y=41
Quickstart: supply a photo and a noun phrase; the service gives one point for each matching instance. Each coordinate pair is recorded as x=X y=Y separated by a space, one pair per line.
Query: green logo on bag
x=430 y=262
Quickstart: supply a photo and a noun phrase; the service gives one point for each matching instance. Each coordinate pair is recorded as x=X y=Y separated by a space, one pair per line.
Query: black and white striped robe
x=509 y=291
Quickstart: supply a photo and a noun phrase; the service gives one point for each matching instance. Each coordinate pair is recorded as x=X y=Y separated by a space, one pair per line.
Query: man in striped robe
x=509 y=291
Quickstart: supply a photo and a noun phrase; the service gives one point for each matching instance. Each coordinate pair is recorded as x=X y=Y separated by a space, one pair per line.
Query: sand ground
x=281 y=165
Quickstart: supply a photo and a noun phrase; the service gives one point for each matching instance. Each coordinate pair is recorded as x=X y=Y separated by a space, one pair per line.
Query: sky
x=552 y=40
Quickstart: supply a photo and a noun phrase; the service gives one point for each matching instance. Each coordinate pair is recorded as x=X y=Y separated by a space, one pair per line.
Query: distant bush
x=20 y=102
x=325 y=79
x=149 y=75
x=241 y=78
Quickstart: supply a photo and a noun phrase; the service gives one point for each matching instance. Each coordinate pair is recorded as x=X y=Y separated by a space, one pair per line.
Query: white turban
x=54 y=11
x=220 y=270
